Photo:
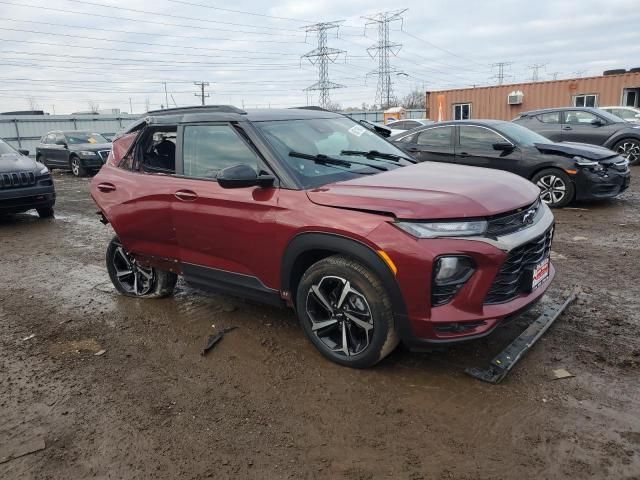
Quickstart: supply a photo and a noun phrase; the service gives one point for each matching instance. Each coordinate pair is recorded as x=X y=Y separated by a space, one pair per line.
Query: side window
x=576 y=117
x=477 y=137
x=60 y=140
x=408 y=139
x=410 y=125
x=398 y=125
x=552 y=117
x=435 y=137
x=51 y=139
x=208 y=149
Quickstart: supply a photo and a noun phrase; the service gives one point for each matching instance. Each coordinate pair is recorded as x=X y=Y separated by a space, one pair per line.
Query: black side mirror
x=503 y=146
x=243 y=176
x=597 y=122
x=24 y=152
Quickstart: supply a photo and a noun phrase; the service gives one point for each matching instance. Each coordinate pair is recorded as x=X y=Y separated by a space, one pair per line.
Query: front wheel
x=629 y=149
x=556 y=188
x=45 y=212
x=346 y=313
x=134 y=280
x=76 y=167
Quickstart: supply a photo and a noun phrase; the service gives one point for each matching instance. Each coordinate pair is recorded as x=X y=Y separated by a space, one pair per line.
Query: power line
x=383 y=49
x=202 y=95
x=535 y=71
x=322 y=56
x=500 y=76
x=239 y=11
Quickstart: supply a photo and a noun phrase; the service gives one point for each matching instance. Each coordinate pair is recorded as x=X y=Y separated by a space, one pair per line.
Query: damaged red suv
x=309 y=209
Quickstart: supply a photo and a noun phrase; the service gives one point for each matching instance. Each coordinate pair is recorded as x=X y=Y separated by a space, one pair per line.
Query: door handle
x=413 y=150
x=567 y=127
x=464 y=154
x=186 y=195
x=106 y=187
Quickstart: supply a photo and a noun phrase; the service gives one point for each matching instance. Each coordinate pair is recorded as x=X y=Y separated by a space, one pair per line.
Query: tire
x=556 y=188
x=46 y=212
x=140 y=282
x=629 y=148
x=355 y=308
x=76 y=167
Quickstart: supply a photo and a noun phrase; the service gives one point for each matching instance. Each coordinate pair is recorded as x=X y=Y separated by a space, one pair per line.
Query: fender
x=306 y=242
x=621 y=135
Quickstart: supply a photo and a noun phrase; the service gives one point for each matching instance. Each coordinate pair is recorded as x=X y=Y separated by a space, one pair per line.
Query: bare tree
x=334 y=106
x=32 y=104
x=93 y=107
x=414 y=99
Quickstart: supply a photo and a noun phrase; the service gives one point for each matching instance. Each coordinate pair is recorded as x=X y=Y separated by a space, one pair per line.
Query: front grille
x=104 y=154
x=17 y=179
x=513 y=221
x=514 y=277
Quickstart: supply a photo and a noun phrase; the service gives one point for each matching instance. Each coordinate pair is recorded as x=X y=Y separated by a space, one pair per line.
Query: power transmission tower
x=579 y=73
x=383 y=49
x=322 y=56
x=554 y=75
x=202 y=95
x=535 y=71
x=500 y=76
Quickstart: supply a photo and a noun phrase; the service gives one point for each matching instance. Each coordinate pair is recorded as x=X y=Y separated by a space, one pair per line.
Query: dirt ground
x=265 y=404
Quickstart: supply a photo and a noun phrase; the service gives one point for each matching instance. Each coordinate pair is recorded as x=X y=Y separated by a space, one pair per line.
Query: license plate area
x=540 y=273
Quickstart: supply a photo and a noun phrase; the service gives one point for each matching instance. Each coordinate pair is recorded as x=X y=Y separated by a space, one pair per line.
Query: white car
x=401 y=126
x=628 y=114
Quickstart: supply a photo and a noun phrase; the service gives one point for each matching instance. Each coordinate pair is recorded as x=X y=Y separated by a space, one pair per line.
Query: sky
x=65 y=56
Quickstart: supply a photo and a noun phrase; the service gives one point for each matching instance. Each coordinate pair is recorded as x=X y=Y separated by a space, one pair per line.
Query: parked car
x=79 y=151
x=629 y=114
x=400 y=126
x=585 y=125
x=24 y=183
x=310 y=209
x=563 y=171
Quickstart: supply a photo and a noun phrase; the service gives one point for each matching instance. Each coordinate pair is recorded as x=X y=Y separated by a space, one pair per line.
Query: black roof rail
x=199 y=109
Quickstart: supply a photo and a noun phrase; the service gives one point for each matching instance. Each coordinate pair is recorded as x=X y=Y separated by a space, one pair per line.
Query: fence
x=25 y=131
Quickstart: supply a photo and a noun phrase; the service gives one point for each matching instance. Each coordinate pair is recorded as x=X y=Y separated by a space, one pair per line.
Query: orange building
x=505 y=102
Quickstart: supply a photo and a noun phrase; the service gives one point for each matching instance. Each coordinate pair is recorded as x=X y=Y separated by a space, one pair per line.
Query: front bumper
x=596 y=185
x=92 y=162
x=468 y=315
x=17 y=200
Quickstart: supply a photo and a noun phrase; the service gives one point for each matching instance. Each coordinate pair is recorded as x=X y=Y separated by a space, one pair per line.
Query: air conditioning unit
x=515 y=98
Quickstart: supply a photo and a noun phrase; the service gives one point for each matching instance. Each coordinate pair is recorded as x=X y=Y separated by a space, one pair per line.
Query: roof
x=561 y=109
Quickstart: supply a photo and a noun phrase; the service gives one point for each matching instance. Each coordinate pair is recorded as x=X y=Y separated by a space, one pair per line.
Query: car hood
x=592 y=152
x=13 y=162
x=430 y=191
x=92 y=147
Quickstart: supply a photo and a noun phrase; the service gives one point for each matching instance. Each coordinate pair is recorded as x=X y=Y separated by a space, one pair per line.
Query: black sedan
x=586 y=125
x=24 y=183
x=563 y=171
x=78 y=151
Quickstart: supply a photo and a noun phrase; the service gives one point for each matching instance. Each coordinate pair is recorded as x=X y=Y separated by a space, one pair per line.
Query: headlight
x=443 y=229
x=585 y=162
x=44 y=170
x=86 y=153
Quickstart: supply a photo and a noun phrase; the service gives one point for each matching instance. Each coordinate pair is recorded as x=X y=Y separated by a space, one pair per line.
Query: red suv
x=309 y=209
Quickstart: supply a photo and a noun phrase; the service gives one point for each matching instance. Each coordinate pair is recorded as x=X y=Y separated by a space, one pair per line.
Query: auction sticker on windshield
x=540 y=273
x=357 y=130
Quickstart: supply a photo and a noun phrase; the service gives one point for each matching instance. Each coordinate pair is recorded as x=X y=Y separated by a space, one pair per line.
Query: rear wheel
x=629 y=148
x=346 y=313
x=134 y=280
x=556 y=188
x=76 y=167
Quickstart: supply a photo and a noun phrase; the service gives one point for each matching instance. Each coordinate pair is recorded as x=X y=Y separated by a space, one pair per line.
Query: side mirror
x=597 y=122
x=503 y=146
x=243 y=176
x=24 y=152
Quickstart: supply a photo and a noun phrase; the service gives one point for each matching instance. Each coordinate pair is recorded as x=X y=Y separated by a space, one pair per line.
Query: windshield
x=521 y=135
x=74 y=138
x=6 y=149
x=337 y=138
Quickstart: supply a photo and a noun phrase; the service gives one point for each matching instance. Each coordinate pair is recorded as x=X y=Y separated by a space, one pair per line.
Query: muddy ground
x=265 y=404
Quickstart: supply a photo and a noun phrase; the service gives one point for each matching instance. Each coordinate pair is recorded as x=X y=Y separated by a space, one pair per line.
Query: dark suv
x=311 y=210
x=24 y=183
x=585 y=125
x=78 y=151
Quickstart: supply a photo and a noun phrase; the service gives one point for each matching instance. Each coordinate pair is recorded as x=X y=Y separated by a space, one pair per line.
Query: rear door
x=431 y=144
x=548 y=124
x=48 y=149
x=578 y=126
x=475 y=148
x=225 y=235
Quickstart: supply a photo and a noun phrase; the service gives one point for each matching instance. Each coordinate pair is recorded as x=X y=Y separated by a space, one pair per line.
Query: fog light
x=449 y=275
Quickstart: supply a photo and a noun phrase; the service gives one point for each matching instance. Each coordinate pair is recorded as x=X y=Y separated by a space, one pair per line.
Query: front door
x=475 y=147
x=579 y=126
x=225 y=235
x=431 y=144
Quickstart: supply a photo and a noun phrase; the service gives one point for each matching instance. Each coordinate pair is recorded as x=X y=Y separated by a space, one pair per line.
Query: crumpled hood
x=592 y=152
x=14 y=162
x=92 y=147
x=430 y=190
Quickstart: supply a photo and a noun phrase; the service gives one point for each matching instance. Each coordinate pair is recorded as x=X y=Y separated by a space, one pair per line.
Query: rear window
x=551 y=117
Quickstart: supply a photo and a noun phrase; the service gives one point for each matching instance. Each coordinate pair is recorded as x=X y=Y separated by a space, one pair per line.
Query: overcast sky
x=70 y=54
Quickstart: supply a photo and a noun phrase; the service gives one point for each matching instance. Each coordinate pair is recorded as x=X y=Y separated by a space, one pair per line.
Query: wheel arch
x=620 y=137
x=307 y=248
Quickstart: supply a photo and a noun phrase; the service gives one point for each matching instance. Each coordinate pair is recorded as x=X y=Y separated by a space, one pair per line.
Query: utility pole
x=166 y=96
x=130 y=106
x=383 y=49
x=322 y=56
x=202 y=95
x=535 y=71
x=500 y=76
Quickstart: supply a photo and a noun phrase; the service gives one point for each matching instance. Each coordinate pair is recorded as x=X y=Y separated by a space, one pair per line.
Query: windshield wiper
x=325 y=160
x=377 y=154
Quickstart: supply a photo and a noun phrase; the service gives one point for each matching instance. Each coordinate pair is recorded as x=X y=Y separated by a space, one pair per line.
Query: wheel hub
x=131 y=276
